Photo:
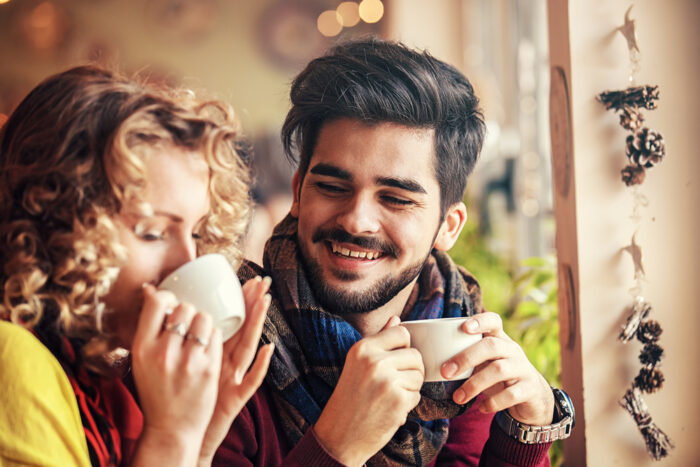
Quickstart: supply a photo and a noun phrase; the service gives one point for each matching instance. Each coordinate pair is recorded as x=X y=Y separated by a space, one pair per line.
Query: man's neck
x=372 y=322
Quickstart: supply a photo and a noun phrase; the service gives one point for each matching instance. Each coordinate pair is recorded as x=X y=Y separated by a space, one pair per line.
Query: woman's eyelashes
x=152 y=235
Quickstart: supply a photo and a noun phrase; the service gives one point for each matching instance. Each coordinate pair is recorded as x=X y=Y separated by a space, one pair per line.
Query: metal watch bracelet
x=533 y=434
x=564 y=415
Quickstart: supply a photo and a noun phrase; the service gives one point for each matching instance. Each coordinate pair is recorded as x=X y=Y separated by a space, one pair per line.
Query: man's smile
x=353 y=251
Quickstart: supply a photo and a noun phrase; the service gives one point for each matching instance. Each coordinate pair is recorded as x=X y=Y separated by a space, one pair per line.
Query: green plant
x=533 y=321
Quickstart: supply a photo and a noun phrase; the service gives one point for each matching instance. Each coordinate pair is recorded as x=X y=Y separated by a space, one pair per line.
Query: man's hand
x=380 y=383
x=502 y=373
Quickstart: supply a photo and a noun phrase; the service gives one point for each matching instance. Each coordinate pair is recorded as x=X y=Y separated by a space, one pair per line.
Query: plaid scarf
x=311 y=345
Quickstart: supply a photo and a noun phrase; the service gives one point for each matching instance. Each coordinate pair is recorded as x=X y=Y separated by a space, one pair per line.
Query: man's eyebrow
x=330 y=171
x=407 y=184
x=401 y=183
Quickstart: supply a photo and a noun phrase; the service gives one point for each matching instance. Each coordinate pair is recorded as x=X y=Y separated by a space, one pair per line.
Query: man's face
x=369 y=212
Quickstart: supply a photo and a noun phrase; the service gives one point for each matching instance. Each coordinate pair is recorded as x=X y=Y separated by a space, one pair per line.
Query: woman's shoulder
x=40 y=423
x=21 y=352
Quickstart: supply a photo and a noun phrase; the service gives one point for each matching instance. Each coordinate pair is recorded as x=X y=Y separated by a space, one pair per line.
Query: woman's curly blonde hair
x=70 y=160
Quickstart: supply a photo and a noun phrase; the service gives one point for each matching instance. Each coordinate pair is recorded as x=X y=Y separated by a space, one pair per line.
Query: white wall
x=668 y=38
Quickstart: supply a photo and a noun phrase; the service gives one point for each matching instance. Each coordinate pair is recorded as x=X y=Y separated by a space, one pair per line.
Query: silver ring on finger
x=197 y=339
x=176 y=328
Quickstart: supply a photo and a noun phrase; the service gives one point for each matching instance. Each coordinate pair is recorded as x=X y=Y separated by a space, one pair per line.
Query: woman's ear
x=451 y=227
x=296 y=186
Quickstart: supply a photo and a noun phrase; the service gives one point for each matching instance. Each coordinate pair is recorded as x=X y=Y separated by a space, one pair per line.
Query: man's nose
x=359 y=215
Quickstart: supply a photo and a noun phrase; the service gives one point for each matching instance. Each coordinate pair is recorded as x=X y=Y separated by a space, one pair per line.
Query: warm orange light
x=4 y=1
x=328 y=23
x=349 y=13
x=371 y=11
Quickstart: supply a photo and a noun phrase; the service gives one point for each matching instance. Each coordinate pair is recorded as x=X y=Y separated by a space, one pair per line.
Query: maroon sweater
x=256 y=438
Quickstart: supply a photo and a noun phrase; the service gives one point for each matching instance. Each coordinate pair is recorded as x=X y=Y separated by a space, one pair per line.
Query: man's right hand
x=380 y=383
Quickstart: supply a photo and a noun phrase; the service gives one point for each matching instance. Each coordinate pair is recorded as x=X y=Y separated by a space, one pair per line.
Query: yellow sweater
x=39 y=418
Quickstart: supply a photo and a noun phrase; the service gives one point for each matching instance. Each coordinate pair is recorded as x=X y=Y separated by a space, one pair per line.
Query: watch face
x=565 y=405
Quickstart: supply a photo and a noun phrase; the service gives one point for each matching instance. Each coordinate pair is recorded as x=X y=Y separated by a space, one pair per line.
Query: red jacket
x=256 y=438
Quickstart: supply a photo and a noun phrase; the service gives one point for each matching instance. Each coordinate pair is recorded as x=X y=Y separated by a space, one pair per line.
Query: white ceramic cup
x=438 y=340
x=209 y=283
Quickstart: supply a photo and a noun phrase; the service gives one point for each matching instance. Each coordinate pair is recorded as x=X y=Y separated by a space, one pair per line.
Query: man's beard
x=346 y=302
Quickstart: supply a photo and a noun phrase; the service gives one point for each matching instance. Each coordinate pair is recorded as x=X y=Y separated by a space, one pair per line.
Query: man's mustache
x=368 y=243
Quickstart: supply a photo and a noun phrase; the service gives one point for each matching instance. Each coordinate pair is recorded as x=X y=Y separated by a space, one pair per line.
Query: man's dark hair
x=376 y=81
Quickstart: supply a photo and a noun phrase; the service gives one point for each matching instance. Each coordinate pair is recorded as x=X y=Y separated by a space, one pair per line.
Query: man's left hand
x=502 y=373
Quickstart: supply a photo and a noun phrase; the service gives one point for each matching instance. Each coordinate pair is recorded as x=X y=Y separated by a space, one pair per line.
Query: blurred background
x=247 y=52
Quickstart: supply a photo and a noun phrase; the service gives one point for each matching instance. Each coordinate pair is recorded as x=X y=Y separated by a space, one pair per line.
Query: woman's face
x=177 y=191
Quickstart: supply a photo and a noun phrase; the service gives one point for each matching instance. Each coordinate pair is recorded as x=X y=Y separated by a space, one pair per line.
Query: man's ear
x=296 y=186
x=455 y=218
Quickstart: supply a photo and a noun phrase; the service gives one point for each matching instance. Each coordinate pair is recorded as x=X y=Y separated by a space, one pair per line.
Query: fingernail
x=238 y=376
x=267 y=298
x=472 y=325
x=449 y=369
x=459 y=396
x=267 y=281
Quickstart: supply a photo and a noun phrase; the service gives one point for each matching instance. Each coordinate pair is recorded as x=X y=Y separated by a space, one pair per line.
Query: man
x=386 y=138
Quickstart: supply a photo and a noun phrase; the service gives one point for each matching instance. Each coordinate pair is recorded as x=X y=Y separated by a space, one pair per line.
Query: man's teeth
x=355 y=254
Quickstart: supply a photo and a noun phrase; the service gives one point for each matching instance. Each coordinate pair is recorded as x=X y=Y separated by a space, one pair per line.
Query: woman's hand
x=238 y=384
x=176 y=358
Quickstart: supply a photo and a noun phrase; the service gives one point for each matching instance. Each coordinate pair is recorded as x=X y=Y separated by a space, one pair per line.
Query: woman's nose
x=182 y=251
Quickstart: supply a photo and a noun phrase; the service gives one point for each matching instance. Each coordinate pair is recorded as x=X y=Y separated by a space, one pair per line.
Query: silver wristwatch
x=563 y=423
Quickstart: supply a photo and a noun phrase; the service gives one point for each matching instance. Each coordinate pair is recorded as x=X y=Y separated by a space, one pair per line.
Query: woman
x=106 y=186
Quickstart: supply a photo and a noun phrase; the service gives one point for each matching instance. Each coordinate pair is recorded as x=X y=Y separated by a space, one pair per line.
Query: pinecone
x=651 y=354
x=645 y=147
x=649 y=380
x=631 y=119
x=649 y=331
x=633 y=175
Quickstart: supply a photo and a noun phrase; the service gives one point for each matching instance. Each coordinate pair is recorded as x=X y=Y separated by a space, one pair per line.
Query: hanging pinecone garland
x=645 y=147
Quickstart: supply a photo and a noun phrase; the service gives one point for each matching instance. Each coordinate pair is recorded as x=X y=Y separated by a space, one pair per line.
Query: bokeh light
x=349 y=13
x=371 y=11
x=329 y=23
